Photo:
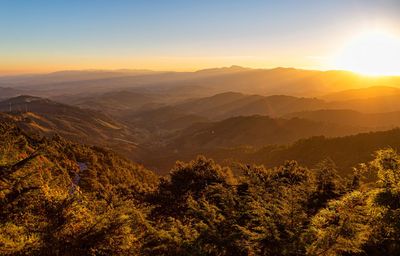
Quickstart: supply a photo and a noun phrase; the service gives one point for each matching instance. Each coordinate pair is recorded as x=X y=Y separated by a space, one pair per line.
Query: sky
x=44 y=36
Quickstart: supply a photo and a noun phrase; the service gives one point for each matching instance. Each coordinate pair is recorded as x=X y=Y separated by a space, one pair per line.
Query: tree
x=387 y=198
x=342 y=227
x=186 y=180
x=328 y=185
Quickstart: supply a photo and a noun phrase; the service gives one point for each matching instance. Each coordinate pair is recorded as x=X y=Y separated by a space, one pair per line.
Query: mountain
x=356 y=113
x=55 y=192
x=346 y=151
x=375 y=121
x=46 y=117
x=362 y=93
x=230 y=104
x=6 y=92
x=223 y=70
x=58 y=152
x=25 y=103
x=232 y=138
x=389 y=103
x=66 y=76
x=308 y=152
x=255 y=131
x=226 y=105
x=165 y=119
x=117 y=103
x=288 y=81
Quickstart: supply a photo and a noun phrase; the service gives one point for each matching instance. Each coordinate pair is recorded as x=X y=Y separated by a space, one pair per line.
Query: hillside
x=57 y=152
x=235 y=138
x=116 y=103
x=307 y=151
x=362 y=93
x=46 y=117
x=6 y=92
x=222 y=106
x=255 y=131
x=231 y=104
x=374 y=121
x=389 y=103
x=341 y=150
x=58 y=197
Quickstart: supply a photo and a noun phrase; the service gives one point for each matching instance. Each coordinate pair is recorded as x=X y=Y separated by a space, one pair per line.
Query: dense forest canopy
x=63 y=198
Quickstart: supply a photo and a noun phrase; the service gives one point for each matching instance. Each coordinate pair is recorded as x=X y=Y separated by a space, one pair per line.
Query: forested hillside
x=47 y=117
x=256 y=131
x=309 y=151
x=62 y=198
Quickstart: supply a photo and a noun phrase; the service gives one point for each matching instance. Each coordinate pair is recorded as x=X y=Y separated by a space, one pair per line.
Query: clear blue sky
x=180 y=34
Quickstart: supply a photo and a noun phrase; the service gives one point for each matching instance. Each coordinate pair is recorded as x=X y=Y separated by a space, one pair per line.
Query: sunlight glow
x=371 y=53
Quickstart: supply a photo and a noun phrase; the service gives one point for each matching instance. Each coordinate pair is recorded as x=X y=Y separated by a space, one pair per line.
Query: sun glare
x=372 y=53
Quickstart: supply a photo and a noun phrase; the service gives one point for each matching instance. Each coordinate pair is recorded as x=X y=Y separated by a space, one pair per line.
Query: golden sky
x=362 y=36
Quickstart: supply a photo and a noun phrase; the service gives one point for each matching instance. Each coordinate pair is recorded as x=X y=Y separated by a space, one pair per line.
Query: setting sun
x=371 y=53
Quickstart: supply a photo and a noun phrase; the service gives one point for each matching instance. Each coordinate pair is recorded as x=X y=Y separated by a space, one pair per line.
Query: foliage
x=63 y=198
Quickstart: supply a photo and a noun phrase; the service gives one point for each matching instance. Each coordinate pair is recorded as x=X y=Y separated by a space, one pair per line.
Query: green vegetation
x=50 y=206
x=63 y=198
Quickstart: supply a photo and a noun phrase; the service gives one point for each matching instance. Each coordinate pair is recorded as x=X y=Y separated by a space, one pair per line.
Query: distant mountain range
x=363 y=93
x=288 y=81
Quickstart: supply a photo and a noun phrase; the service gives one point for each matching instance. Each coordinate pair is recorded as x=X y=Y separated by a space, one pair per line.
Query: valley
x=158 y=118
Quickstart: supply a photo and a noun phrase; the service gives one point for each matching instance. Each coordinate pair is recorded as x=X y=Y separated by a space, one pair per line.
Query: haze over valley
x=173 y=116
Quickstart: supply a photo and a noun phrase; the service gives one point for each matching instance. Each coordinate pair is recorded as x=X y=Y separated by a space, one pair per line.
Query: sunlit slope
x=46 y=117
x=61 y=157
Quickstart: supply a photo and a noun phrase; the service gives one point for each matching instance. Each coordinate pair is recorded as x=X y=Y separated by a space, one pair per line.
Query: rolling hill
x=308 y=152
x=224 y=105
x=375 y=121
x=117 y=103
x=255 y=131
x=231 y=104
x=346 y=151
x=235 y=138
x=46 y=117
x=362 y=93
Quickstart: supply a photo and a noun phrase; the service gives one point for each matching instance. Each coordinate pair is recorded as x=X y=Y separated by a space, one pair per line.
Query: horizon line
x=128 y=70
